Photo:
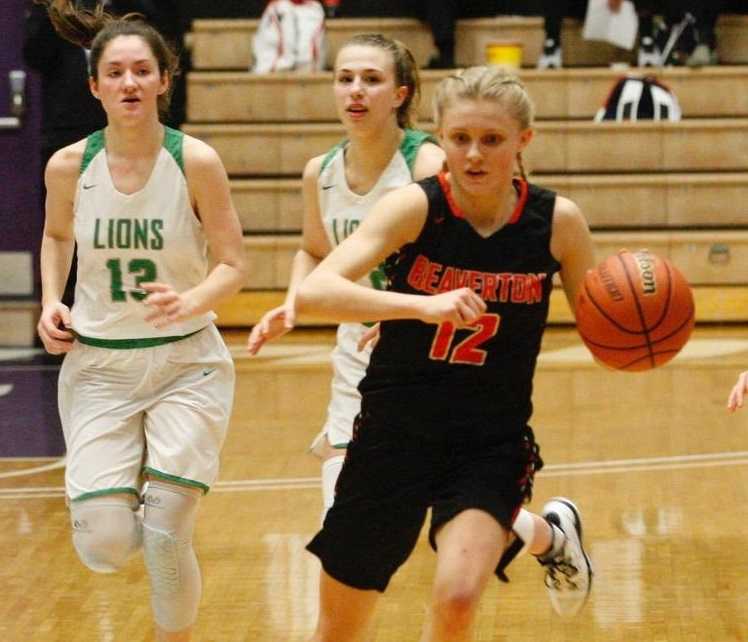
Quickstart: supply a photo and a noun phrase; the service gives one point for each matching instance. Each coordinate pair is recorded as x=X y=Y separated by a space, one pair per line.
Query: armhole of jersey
x=330 y=155
x=94 y=144
x=411 y=143
x=173 y=142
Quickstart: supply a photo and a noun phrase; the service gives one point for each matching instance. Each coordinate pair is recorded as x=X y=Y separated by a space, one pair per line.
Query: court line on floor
x=24 y=472
x=676 y=462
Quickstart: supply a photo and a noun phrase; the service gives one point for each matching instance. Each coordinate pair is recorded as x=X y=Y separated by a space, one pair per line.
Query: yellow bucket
x=504 y=53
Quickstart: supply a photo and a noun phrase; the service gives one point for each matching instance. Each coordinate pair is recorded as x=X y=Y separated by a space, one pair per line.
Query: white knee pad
x=330 y=472
x=106 y=531
x=176 y=586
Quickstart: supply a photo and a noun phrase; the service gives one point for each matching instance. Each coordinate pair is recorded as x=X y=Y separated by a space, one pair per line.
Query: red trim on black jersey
x=520 y=185
x=447 y=189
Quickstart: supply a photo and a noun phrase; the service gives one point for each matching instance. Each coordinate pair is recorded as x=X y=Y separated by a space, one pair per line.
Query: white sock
x=330 y=471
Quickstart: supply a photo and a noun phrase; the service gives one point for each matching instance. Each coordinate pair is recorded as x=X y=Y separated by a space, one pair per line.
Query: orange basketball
x=635 y=311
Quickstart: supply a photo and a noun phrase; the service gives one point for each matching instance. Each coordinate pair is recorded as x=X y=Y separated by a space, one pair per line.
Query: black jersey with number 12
x=484 y=373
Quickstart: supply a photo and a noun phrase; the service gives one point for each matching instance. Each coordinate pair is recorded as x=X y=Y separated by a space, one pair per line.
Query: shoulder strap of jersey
x=173 y=142
x=94 y=144
x=412 y=142
x=329 y=156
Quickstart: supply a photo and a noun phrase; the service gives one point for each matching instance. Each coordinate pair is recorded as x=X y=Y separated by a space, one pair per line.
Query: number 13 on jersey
x=468 y=350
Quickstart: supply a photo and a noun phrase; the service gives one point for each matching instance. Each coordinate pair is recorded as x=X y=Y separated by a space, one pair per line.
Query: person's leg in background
x=706 y=15
x=553 y=16
x=649 y=53
x=441 y=15
x=554 y=12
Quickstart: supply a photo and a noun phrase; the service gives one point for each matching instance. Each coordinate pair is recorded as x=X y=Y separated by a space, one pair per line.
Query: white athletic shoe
x=551 y=56
x=649 y=54
x=568 y=575
x=701 y=56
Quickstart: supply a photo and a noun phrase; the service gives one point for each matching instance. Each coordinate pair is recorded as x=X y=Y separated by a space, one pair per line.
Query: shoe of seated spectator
x=438 y=61
x=701 y=56
x=551 y=56
x=649 y=54
x=568 y=574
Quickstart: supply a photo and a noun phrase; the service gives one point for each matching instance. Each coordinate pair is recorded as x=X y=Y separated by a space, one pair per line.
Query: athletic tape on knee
x=106 y=532
x=172 y=566
x=330 y=472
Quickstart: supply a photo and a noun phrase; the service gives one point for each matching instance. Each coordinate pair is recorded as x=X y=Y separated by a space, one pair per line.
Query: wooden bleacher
x=226 y=44
x=576 y=93
x=559 y=146
x=677 y=188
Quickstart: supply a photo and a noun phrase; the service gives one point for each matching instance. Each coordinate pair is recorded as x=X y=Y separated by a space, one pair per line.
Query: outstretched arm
x=331 y=291
x=314 y=247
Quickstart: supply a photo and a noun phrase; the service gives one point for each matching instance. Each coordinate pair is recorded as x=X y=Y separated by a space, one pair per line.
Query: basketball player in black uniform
x=470 y=258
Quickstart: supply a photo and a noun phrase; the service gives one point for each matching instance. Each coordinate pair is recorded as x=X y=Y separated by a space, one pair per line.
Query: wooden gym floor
x=657 y=466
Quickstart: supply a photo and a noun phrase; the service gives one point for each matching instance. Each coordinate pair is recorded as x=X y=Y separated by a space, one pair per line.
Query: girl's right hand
x=737 y=394
x=53 y=328
x=462 y=307
x=274 y=323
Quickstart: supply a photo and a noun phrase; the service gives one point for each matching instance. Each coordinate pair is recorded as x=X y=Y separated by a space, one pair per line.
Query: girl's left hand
x=369 y=338
x=737 y=394
x=169 y=306
x=615 y=5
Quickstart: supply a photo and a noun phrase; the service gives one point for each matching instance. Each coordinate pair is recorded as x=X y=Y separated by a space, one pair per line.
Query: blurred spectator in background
x=649 y=53
x=442 y=15
x=705 y=14
x=69 y=110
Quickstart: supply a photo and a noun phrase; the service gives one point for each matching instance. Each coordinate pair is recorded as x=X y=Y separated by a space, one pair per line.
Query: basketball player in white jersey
x=146 y=387
x=376 y=87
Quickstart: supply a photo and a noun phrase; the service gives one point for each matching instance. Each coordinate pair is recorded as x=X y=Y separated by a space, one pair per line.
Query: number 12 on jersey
x=468 y=350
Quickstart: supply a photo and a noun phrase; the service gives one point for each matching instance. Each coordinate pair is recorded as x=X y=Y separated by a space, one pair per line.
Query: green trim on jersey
x=106 y=491
x=177 y=480
x=412 y=142
x=94 y=144
x=130 y=344
x=329 y=156
x=173 y=142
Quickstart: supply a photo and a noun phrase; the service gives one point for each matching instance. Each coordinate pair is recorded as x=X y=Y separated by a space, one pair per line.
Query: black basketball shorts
x=392 y=476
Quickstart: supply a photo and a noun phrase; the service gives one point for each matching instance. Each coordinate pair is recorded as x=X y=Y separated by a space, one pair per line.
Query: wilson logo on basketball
x=645 y=263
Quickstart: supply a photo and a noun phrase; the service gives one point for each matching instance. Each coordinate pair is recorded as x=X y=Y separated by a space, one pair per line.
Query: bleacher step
x=235 y=97
x=18 y=323
x=560 y=146
x=616 y=200
x=705 y=258
x=714 y=304
x=226 y=44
